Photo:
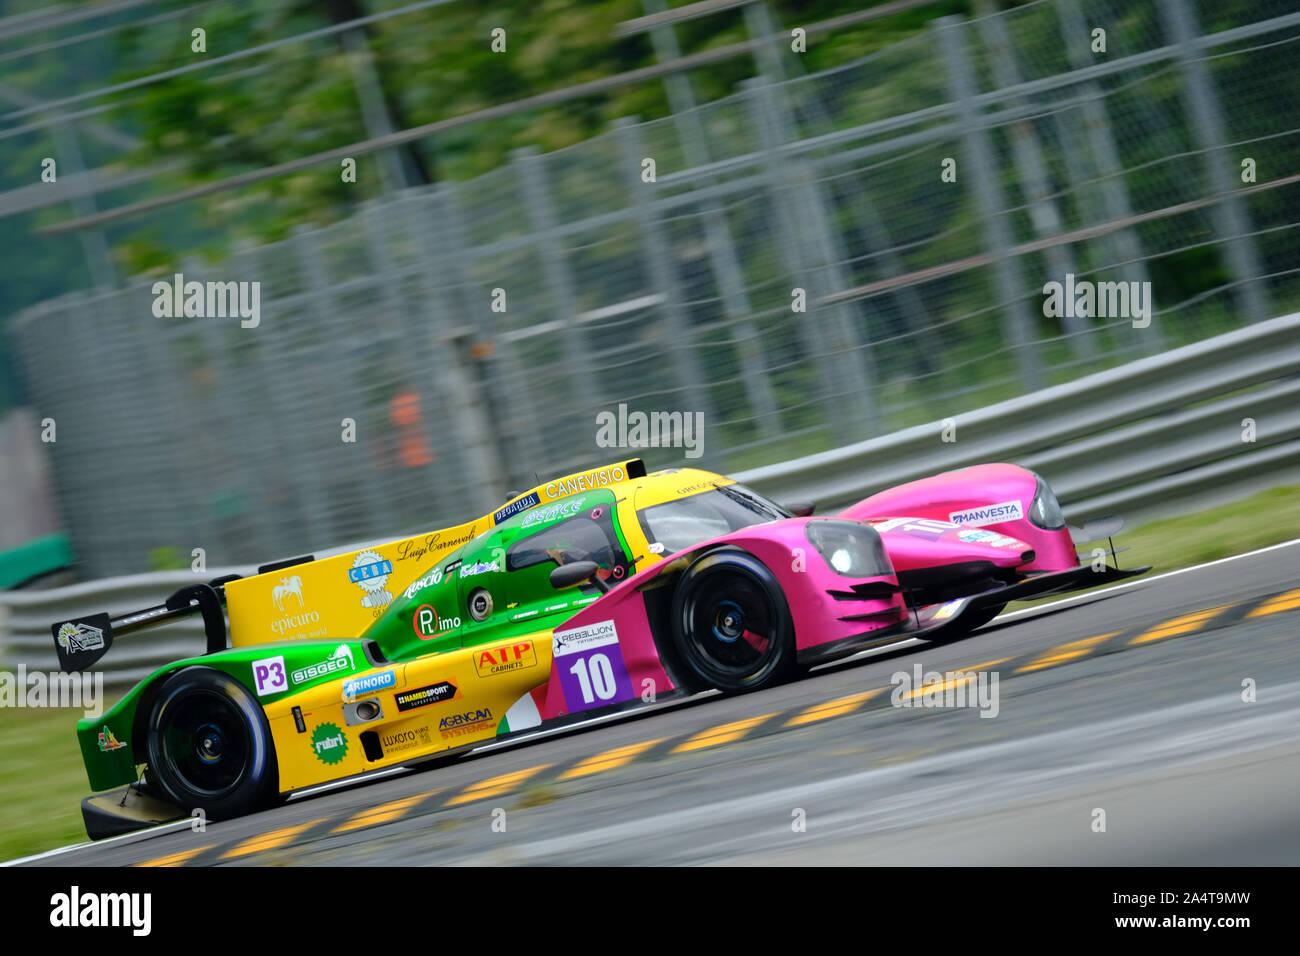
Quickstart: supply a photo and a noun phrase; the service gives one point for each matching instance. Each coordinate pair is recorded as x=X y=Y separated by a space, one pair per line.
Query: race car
x=600 y=590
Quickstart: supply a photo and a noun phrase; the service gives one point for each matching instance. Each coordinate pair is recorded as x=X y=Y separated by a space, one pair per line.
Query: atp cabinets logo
x=503 y=660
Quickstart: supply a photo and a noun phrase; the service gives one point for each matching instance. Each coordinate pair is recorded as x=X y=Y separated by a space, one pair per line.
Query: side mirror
x=801 y=509
x=568 y=575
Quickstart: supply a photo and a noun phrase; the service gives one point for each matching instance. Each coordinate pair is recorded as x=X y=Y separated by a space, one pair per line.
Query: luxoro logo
x=975 y=689
x=193 y=299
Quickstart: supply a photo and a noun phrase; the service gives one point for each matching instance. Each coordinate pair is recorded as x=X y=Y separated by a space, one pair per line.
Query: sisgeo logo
x=340 y=660
x=989 y=514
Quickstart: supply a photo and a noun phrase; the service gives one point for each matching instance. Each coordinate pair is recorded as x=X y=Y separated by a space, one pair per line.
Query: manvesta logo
x=989 y=514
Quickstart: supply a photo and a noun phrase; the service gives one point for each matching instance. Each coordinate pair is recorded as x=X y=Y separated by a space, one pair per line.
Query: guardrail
x=1151 y=436
x=1143 y=437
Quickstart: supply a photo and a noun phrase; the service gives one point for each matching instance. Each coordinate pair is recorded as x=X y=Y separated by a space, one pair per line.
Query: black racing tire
x=209 y=745
x=731 y=623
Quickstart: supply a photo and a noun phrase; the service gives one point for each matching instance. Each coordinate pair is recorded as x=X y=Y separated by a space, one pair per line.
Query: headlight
x=1046 y=510
x=849 y=547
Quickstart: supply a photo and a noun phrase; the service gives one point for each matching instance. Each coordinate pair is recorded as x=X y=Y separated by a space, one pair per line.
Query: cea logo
x=428 y=624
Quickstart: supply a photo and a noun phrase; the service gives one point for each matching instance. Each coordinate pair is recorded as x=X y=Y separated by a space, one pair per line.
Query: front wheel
x=209 y=745
x=731 y=623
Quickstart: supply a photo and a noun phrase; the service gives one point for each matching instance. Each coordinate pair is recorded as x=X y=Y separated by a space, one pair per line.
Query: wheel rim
x=731 y=624
x=205 y=742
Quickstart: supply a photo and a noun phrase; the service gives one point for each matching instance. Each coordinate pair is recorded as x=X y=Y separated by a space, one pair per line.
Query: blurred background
x=523 y=170
x=503 y=267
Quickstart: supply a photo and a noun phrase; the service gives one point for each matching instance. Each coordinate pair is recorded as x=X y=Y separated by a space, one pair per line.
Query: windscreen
x=688 y=521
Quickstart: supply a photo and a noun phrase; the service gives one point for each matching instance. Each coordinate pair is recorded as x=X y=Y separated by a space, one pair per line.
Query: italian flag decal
x=525 y=713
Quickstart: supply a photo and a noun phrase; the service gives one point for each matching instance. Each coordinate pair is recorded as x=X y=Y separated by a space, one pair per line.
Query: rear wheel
x=209 y=745
x=731 y=623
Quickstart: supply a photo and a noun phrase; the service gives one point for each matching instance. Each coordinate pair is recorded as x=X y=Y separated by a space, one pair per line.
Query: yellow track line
x=1180 y=625
x=722 y=734
x=382 y=813
x=1065 y=652
x=1282 y=602
x=268 y=841
x=833 y=708
x=495 y=786
x=175 y=859
x=610 y=759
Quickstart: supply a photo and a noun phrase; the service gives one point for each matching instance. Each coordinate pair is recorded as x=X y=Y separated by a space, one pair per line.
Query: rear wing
x=81 y=641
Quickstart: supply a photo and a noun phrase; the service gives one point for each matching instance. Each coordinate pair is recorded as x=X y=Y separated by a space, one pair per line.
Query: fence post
x=559 y=281
x=808 y=249
x=1122 y=248
x=1230 y=217
x=1009 y=284
x=1037 y=190
x=520 y=429
x=717 y=234
x=663 y=278
x=305 y=243
x=462 y=400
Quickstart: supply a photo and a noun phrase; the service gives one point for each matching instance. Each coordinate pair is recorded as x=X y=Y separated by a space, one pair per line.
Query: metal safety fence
x=1152 y=434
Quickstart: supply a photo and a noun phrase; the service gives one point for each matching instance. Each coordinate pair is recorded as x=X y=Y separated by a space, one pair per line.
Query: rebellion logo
x=503 y=660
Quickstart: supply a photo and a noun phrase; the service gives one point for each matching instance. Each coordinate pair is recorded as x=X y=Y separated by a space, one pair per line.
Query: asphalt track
x=1128 y=701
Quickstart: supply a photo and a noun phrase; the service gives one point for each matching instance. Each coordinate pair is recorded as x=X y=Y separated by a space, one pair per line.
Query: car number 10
x=595 y=673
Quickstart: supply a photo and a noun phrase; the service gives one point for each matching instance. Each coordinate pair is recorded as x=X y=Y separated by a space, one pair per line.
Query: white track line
x=1142 y=580
x=135 y=836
